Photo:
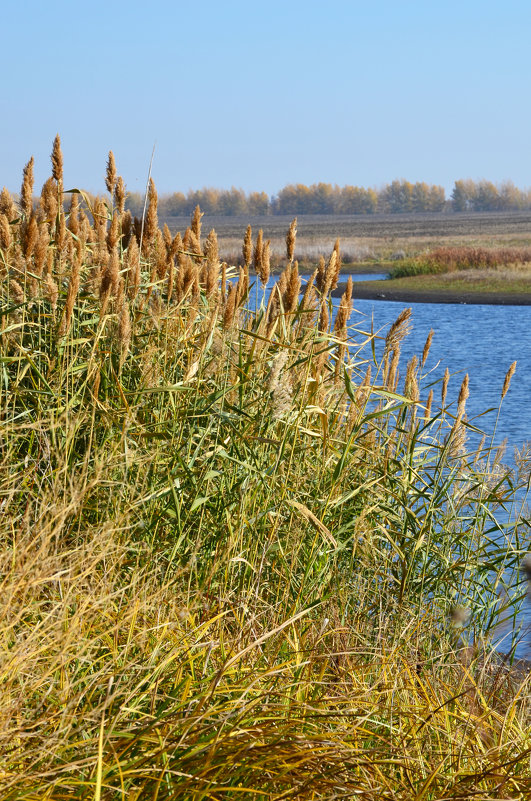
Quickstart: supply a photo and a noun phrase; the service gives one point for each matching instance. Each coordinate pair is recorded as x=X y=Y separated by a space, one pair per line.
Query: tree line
x=399 y=196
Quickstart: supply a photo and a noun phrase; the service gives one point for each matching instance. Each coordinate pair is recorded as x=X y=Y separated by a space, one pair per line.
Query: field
x=375 y=237
x=242 y=557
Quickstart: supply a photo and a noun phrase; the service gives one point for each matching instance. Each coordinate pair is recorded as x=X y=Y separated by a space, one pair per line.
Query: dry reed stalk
x=133 y=269
x=73 y=215
x=113 y=233
x=247 y=248
x=257 y=255
x=48 y=200
x=127 y=229
x=331 y=274
x=230 y=308
x=167 y=237
x=119 y=195
x=71 y=294
x=195 y=226
x=212 y=265
x=463 y=397
x=16 y=291
x=507 y=381
x=170 y=281
x=124 y=324
x=324 y=317
x=291 y=237
x=110 y=276
x=444 y=386
x=26 y=191
x=110 y=174
x=320 y=278
x=391 y=374
x=60 y=234
x=7 y=205
x=266 y=263
x=411 y=387
x=291 y=296
x=307 y=304
x=427 y=347
x=242 y=287
x=29 y=235
x=57 y=164
x=338 y=259
x=151 y=222
x=223 y=281
x=399 y=329
x=429 y=403
x=5 y=233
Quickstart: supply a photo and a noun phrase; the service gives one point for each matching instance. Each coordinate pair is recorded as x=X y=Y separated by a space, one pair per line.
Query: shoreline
x=364 y=291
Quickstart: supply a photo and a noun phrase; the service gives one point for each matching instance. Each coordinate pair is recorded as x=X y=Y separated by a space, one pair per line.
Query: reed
x=232 y=551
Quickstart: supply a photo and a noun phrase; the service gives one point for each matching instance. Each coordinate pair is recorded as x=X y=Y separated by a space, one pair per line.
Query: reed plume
x=444 y=386
x=119 y=195
x=427 y=347
x=26 y=191
x=5 y=233
x=111 y=174
x=7 y=205
x=48 y=200
x=399 y=329
x=291 y=237
x=507 y=381
x=230 y=307
x=151 y=223
x=247 y=248
x=257 y=254
x=133 y=268
x=57 y=163
x=196 y=226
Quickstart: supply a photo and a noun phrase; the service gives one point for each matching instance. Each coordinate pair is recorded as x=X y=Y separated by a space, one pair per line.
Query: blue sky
x=258 y=95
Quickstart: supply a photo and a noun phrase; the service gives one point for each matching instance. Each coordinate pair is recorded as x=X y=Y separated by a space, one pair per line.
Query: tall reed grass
x=241 y=556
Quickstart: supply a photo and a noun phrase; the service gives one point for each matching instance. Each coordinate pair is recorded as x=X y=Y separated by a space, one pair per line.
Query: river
x=483 y=341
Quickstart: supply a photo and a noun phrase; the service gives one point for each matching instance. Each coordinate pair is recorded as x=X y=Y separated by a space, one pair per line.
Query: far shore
x=380 y=290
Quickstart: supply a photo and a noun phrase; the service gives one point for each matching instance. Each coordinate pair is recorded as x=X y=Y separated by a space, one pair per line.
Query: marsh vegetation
x=242 y=555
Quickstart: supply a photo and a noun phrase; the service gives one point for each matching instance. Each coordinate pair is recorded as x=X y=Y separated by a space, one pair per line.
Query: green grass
x=231 y=556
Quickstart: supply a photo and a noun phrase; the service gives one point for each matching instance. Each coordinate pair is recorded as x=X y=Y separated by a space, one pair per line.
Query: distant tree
x=258 y=203
x=463 y=195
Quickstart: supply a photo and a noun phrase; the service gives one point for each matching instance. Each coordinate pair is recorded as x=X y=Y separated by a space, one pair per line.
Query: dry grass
x=232 y=547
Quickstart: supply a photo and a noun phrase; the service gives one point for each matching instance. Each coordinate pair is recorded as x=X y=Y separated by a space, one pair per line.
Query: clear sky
x=261 y=94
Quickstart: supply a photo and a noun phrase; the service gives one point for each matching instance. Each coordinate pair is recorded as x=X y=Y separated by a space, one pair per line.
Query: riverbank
x=402 y=292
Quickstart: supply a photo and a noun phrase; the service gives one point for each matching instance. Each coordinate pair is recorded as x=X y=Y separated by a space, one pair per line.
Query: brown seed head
x=7 y=205
x=508 y=377
x=48 y=200
x=247 y=249
x=110 y=175
x=119 y=195
x=230 y=307
x=30 y=235
x=444 y=387
x=427 y=347
x=290 y=240
x=196 y=223
x=429 y=402
x=258 y=251
x=399 y=329
x=73 y=214
x=26 y=191
x=151 y=224
x=5 y=233
x=57 y=161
